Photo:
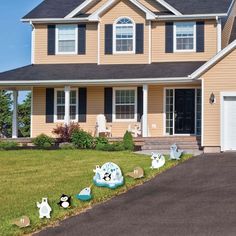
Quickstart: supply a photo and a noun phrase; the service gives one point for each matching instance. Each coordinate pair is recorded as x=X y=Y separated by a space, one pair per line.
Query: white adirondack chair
x=101 y=126
x=136 y=131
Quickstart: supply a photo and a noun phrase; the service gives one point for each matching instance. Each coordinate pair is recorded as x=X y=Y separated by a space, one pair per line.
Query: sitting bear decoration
x=44 y=208
x=175 y=153
x=158 y=160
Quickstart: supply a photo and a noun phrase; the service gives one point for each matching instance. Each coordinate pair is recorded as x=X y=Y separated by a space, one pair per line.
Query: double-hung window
x=66 y=39
x=125 y=104
x=124 y=32
x=60 y=105
x=185 y=37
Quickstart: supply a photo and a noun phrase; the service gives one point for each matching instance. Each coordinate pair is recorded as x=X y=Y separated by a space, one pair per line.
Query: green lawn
x=29 y=175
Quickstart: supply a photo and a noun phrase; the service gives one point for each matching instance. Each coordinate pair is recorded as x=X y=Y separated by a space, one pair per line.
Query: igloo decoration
x=158 y=160
x=109 y=175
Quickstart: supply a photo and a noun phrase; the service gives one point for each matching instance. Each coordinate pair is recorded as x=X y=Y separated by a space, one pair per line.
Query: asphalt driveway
x=197 y=197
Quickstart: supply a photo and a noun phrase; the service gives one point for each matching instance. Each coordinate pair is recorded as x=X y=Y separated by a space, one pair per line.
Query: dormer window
x=185 y=37
x=124 y=32
x=66 y=39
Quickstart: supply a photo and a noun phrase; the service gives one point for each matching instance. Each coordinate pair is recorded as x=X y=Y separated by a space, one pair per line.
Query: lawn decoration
x=22 y=222
x=175 y=153
x=109 y=175
x=44 y=208
x=85 y=194
x=65 y=201
x=158 y=160
x=138 y=173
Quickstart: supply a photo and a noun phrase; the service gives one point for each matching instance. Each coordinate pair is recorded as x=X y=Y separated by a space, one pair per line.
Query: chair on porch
x=101 y=127
x=137 y=130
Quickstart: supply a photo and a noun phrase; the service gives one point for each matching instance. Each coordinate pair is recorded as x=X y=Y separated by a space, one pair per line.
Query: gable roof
x=233 y=32
x=62 y=8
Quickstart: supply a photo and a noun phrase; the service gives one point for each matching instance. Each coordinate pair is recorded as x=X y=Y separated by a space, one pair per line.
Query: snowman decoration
x=44 y=208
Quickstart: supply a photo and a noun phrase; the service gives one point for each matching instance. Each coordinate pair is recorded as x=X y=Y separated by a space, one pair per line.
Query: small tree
x=128 y=141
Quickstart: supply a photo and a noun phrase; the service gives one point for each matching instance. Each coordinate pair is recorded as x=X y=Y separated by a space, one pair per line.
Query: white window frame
x=114 y=36
x=57 y=40
x=194 y=37
x=114 y=105
x=55 y=105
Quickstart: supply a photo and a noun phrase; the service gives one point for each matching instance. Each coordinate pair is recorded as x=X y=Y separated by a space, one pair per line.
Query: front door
x=184 y=111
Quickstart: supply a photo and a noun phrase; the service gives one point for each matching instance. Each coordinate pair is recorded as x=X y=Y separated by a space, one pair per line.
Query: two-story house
x=167 y=66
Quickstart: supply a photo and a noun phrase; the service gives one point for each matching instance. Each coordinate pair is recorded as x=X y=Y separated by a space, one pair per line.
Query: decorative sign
x=85 y=194
x=65 y=201
x=44 y=208
x=175 y=154
x=109 y=175
x=22 y=222
x=138 y=173
x=158 y=160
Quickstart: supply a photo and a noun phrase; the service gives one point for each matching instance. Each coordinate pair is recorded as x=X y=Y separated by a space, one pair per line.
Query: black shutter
x=49 y=105
x=51 y=39
x=200 y=36
x=81 y=39
x=82 y=104
x=140 y=103
x=169 y=37
x=108 y=104
x=108 y=39
x=139 y=38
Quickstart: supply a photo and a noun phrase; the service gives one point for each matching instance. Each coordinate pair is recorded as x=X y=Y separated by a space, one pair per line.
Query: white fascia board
x=231 y=7
x=138 y=81
x=213 y=61
x=169 y=7
x=56 y=20
x=191 y=17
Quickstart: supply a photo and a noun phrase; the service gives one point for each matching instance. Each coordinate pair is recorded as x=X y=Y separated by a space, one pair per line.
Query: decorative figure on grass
x=138 y=173
x=158 y=160
x=65 y=201
x=85 y=194
x=175 y=153
x=22 y=222
x=44 y=208
x=109 y=175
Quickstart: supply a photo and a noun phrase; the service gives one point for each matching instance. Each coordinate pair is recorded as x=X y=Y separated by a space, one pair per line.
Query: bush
x=82 y=140
x=128 y=141
x=64 y=132
x=117 y=146
x=101 y=140
x=43 y=141
x=8 y=145
x=67 y=146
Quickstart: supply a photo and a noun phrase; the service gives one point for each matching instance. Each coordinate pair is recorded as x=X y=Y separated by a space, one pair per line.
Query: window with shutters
x=60 y=105
x=66 y=39
x=125 y=104
x=124 y=36
x=185 y=37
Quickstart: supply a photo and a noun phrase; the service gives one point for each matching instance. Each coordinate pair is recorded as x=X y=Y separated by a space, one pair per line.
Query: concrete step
x=167 y=152
x=168 y=147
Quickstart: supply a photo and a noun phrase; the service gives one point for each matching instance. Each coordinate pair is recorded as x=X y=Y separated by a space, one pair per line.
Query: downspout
x=219 y=34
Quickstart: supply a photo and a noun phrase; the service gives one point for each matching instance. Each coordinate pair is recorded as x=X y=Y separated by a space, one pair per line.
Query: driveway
x=197 y=197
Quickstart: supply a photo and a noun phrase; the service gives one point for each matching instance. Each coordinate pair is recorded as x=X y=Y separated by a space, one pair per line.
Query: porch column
x=145 y=111
x=67 y=105
x=14 y=115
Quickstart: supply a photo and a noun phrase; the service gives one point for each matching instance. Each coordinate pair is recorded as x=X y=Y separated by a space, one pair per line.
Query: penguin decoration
x=65 y=201
x=107 y=177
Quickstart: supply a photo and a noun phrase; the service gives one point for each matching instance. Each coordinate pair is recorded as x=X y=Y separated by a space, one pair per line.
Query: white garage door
x=229 y=131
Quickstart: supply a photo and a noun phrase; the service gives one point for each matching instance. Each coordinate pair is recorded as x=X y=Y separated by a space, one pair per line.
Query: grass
x=29 y=175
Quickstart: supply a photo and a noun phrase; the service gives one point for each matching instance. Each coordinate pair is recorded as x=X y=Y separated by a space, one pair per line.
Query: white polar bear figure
x=44 y=208
x=158 y=160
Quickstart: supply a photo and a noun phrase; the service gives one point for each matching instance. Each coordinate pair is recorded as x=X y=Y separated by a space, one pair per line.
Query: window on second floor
x=185 y=37
x=124 y=32
x=66 y=39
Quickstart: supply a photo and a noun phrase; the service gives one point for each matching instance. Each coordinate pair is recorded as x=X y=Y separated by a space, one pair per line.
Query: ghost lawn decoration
x=44 y=208
x=22 y=222
x=158 y=160
x=85 y=194
x=175 y=153
x=109 y=175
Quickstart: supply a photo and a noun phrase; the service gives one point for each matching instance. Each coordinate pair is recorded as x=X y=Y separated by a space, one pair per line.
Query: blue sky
x=15 y=40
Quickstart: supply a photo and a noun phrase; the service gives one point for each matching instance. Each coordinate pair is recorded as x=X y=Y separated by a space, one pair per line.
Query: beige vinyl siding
x=95 y=6
x=158 y=45
x=228 y=27
x=152 y=6
x=41 y=56
x=220 y=78
x=124 y=8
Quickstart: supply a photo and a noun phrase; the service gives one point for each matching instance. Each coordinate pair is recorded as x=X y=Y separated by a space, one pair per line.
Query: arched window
x=124 y=32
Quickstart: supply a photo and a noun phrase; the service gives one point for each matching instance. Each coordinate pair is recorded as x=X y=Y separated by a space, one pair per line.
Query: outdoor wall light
x=212 y=99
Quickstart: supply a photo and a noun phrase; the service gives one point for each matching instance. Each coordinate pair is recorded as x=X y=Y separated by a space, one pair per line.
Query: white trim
x=32 y=44
x=67 y=104
x=114 y=36
x=149 y=42
x=114 y=104
x=194 y=38
x=56 y=20
x=76 y=41
x=145 y=111
x=99 y=32
x=213 y=60
x=219 y=34
x=15 y=115
x=190 y=17
x=231 y=7
x=169 y=7
x=203 y=107
x=55 y=104
x=31 y=112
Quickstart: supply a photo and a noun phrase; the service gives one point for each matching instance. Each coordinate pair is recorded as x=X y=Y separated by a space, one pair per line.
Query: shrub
x=82 y=140
x=8 y=145
x=117 y=146
x=64 y=131
x=128 y=141
x=67 y=146
x=101 y=140
x=43 y=141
